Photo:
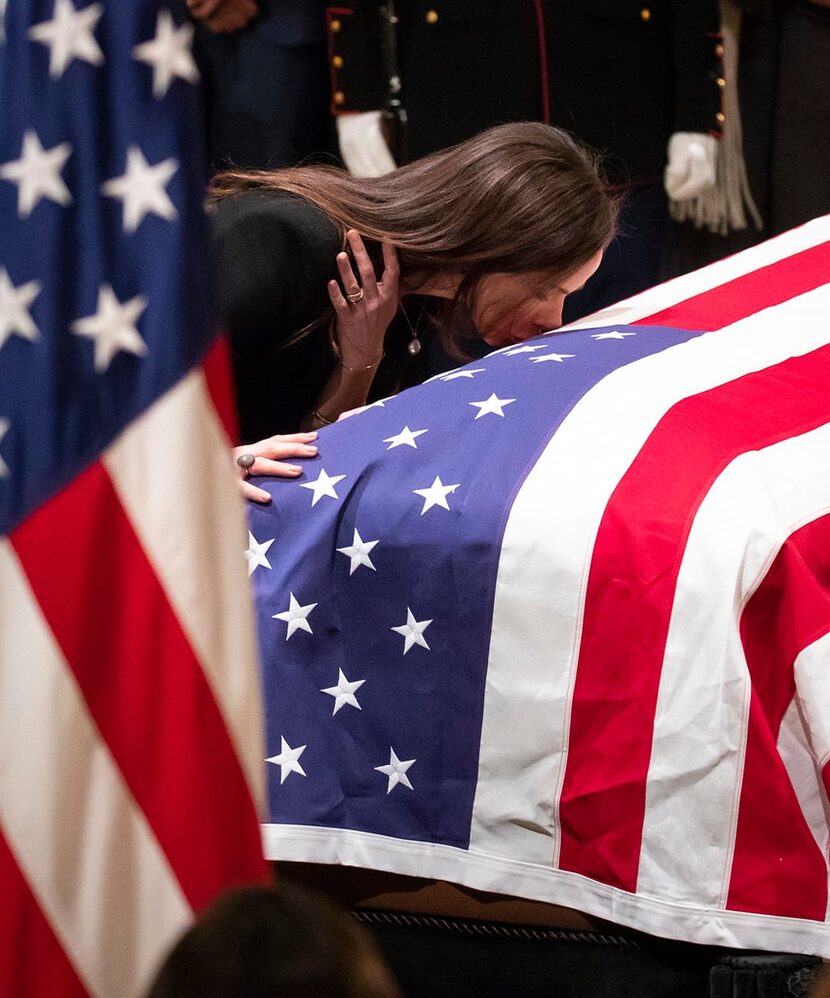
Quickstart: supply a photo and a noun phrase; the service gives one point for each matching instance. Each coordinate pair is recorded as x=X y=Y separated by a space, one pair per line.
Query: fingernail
x=312 y=435
x=311 y=450
x=294 y=469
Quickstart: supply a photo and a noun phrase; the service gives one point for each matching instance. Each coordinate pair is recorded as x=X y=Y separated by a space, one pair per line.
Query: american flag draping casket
x=557 y=624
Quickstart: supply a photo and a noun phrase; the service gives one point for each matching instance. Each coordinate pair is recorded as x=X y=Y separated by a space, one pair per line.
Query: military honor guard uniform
x=622 y=75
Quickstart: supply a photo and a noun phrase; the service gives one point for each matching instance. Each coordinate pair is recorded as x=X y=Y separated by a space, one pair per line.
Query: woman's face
x=509 y=308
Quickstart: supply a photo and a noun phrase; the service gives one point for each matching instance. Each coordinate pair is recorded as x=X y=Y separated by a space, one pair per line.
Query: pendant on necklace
x=414 y=346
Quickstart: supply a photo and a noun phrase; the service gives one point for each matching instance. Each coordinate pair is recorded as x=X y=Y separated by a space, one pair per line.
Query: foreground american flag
x=130 y=731
x=557 y=624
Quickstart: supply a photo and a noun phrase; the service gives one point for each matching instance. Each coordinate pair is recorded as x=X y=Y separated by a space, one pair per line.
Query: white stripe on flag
x=698 y=281
x=85 y=849
x=699 y=741
x=193 y=538
x=812 y=686
x=546 y=556
x=805 y=773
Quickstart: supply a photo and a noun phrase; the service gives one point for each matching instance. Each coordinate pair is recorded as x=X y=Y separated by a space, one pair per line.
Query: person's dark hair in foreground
x=264 y=942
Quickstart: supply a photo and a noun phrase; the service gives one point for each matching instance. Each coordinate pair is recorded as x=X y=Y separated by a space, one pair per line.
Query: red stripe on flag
x=750 y=293
x=217 y=370
x=32 y=961
x=143 y=684
x=631 y=586
x=789 y=610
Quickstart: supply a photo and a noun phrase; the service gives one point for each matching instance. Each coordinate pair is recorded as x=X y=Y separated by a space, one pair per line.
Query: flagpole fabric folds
x=556 y=624
x=130 y=754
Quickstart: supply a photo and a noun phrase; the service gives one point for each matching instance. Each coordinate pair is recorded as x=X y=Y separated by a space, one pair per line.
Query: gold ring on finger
x=354 y=298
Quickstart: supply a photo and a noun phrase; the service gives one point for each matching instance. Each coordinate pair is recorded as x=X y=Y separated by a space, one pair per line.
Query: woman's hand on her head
x=269 y=459
x=360 y=324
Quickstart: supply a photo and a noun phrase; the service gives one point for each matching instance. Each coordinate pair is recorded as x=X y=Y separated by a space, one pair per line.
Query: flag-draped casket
x=557 y=624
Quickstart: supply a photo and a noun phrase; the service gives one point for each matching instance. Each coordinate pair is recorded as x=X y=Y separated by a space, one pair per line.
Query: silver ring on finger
x=354 y=298
x=245 y=462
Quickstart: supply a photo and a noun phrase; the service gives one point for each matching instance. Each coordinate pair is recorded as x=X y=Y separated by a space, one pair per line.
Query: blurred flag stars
x=69 y=36
x=169 y=53
x=142 y=189
x=4 y=427
x=15 y=302
x=38 y=174
x=113 y=327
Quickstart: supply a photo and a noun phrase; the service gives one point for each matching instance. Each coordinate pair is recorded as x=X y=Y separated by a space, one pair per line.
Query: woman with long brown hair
x=482 y=240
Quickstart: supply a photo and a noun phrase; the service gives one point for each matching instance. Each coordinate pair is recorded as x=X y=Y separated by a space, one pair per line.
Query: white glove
x=362 y=146
x=691 y=167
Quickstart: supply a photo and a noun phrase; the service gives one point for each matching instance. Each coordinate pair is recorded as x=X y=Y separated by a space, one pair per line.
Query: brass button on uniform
x=645 y=14
x=721 y=117
x=337 y=62
x=721 y=82
x=719 y=51
x=339 y=97
x=335 y=25
x=432 y=17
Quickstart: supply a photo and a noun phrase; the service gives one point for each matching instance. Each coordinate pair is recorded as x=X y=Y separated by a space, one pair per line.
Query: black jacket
x=275 y=254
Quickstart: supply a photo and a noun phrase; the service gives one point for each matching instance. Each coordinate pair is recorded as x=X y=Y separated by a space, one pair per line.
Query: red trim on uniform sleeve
x=332 y=12
x=543 y=62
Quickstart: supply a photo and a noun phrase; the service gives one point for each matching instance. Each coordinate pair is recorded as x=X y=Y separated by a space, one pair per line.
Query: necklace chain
x=414 y=345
